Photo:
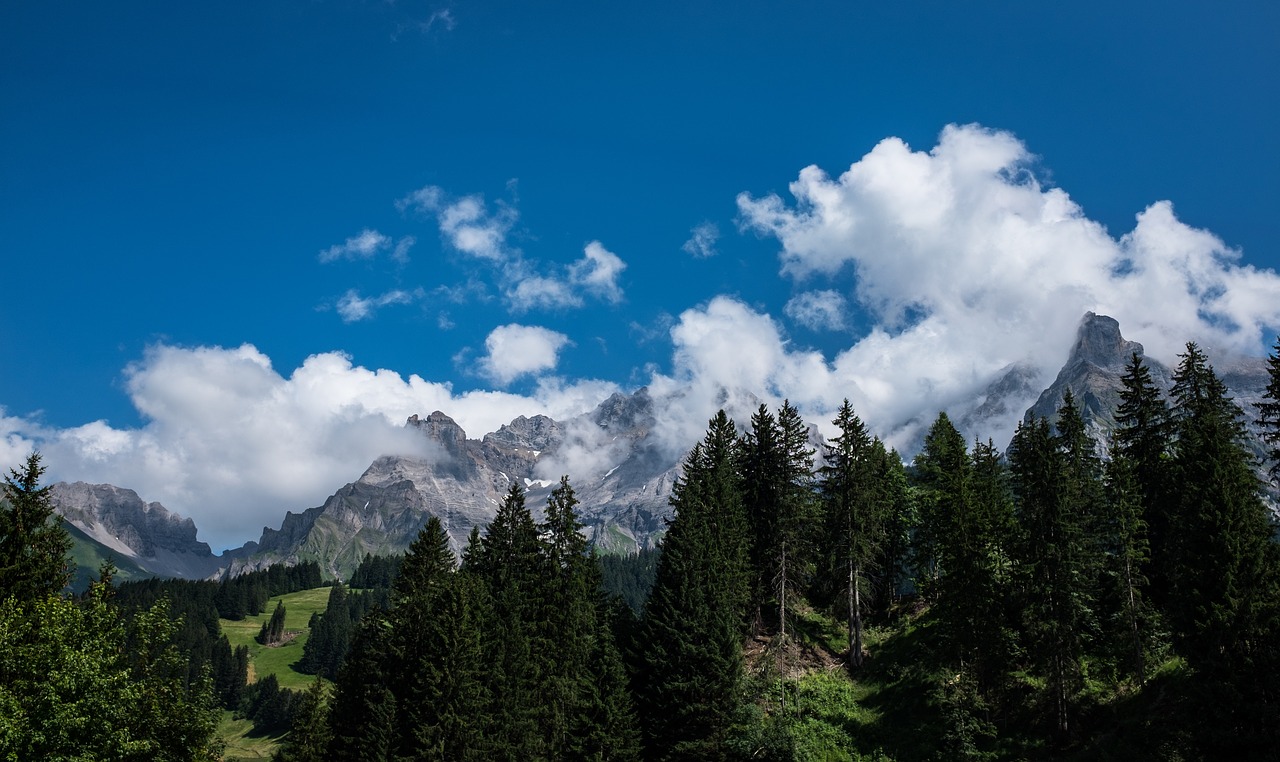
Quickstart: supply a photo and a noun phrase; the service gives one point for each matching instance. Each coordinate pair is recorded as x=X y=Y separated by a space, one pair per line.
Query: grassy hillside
x=241 y=745
x=88 y=554
x=265 y=660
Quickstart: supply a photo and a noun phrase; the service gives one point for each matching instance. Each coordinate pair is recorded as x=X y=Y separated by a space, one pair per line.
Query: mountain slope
x=132 y=531
x=621 y=476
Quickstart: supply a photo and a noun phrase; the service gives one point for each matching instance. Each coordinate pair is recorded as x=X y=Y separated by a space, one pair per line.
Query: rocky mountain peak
x=157 y=539
x=1099 y=343
x=442 y=429
x=537 y=433
x=625 y=412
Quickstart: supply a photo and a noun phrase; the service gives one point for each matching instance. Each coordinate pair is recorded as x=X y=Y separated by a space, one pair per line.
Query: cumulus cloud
x=232 y=443
x=818 y=310
x=362 y=246
x=353 y=307
x=519 y=350
x=967 y=263
x=702 y=240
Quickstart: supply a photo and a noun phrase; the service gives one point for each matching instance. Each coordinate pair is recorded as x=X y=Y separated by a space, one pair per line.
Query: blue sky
x=244 y=240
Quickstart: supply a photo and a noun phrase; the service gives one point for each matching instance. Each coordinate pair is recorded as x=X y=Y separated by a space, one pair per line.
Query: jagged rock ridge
x=159 y=541
x=623 y=489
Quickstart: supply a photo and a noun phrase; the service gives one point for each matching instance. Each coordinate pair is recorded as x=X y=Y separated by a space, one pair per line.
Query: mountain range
x=622 y=471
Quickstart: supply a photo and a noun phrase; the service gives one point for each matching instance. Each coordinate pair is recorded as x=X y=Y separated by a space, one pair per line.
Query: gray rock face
x=622 y=481
x=159 y=541
x=1098 y=361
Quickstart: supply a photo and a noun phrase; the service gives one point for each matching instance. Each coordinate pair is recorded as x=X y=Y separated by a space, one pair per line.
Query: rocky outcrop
x=148 y=534
x=622 y=481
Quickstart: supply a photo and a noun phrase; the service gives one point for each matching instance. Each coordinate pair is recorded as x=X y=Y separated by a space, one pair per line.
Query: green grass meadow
x=265 y=660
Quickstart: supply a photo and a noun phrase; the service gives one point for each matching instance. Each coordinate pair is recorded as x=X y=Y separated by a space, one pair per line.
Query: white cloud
x=518 y=350
x=468 y=226
x=362 y=246
x=818 y=310
x=537 y=291
x=702 y=241
x=598 y=272
x=466 y=223
x=401 y=252
x=967 y=263
x=232 y=443
x=353 y=307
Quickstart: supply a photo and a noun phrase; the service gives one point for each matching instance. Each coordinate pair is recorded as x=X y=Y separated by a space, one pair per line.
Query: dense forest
x=1061 y=600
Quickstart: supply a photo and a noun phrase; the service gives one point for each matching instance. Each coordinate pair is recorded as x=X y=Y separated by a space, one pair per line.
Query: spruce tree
x=1144 y=438
x=33 y=544
x=363 y=718
x=1221 y=554
x=777 y=477
x=1269 y=411
x=853 y=523
x=308 y=738
x=1128 y=555
x=511 y=565
x=692 y=632
x=1049 y=560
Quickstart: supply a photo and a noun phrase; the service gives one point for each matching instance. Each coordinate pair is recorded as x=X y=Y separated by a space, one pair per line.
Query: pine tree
x=363 y=716
x=1221 y=555
x=942 y=472
x=777 y=476
x=853 y=522
x=1144 y=438
x=1050 y=562
x=569 y=618
x=513 y=569
x=308 y=738
x=272 y=631
x=1269 y=411
x=33 y=544
x=899 y=521
x=1129 y=554
x=692 y=630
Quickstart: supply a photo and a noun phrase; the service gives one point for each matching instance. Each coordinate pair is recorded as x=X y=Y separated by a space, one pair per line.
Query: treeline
x=1041 y=582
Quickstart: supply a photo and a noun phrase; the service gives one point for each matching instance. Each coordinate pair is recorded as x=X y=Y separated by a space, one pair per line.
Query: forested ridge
x=1054 y=601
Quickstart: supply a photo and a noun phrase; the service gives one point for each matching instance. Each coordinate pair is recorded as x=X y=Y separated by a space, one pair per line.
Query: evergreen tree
x=1052 y=560
x=1144 y=438
x=692 y=630
x=330 y=636
x=1221 y=555
x=777 y=477
x=899 y=523
x=942 y=471
x=853 y=521
x=587 y=709
x=33 y=544
x=1128 y=555
x=363 y=718
x=514 y=571
x=1269 y=410
x=308 y=738
x=272 y=631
